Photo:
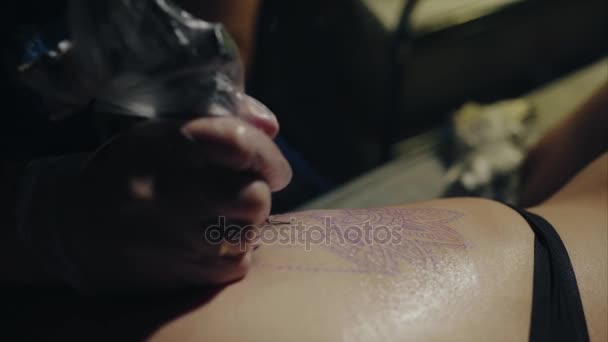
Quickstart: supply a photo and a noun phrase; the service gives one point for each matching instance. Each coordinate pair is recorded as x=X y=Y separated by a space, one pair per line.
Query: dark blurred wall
x=321 y=66
x=504 y=54
x=343 y=94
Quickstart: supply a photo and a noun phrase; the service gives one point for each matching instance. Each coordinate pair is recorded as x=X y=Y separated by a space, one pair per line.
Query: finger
x=205 y=270
x=225 y=270
x=235 y=144
x=159 y=269
x=258 y=115
x=244 y=218
x=252 y=206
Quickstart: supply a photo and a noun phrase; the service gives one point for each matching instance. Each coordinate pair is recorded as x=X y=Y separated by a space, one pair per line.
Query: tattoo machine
x=140 y=58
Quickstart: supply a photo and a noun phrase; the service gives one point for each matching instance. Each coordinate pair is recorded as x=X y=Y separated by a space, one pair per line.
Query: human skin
x=569 y=146
x=471 y=282
x=463 y=273
x=250 y=168
x=144 y=180
x=478 y=290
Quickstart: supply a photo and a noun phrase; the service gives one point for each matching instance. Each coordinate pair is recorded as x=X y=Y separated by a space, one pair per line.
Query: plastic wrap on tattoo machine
x=143 y=58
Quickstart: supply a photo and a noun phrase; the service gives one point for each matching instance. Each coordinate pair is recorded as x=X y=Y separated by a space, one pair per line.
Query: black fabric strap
x=557 y=310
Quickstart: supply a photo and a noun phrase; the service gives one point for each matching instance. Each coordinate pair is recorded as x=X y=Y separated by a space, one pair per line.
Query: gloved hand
x=135 y=217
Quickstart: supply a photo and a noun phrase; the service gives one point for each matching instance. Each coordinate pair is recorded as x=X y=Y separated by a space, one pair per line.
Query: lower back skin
x=457 y=270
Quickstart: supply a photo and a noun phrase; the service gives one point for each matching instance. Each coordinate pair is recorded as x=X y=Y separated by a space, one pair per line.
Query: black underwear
x=557 y=311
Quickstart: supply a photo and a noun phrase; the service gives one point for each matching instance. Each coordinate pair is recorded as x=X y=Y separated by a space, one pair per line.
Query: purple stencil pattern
x=418 y=237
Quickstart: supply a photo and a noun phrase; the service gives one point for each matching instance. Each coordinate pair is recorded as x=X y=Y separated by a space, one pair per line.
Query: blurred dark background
x=349 y=79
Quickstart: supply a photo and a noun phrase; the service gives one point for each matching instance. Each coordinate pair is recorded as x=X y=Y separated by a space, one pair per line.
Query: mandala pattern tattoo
x=418 y=237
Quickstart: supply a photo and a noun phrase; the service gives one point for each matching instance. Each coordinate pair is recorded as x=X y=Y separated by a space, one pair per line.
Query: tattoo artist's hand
x=139 y=213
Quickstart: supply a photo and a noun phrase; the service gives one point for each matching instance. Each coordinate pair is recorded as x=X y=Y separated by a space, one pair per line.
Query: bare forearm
x=566 y=149
x=588 y=127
